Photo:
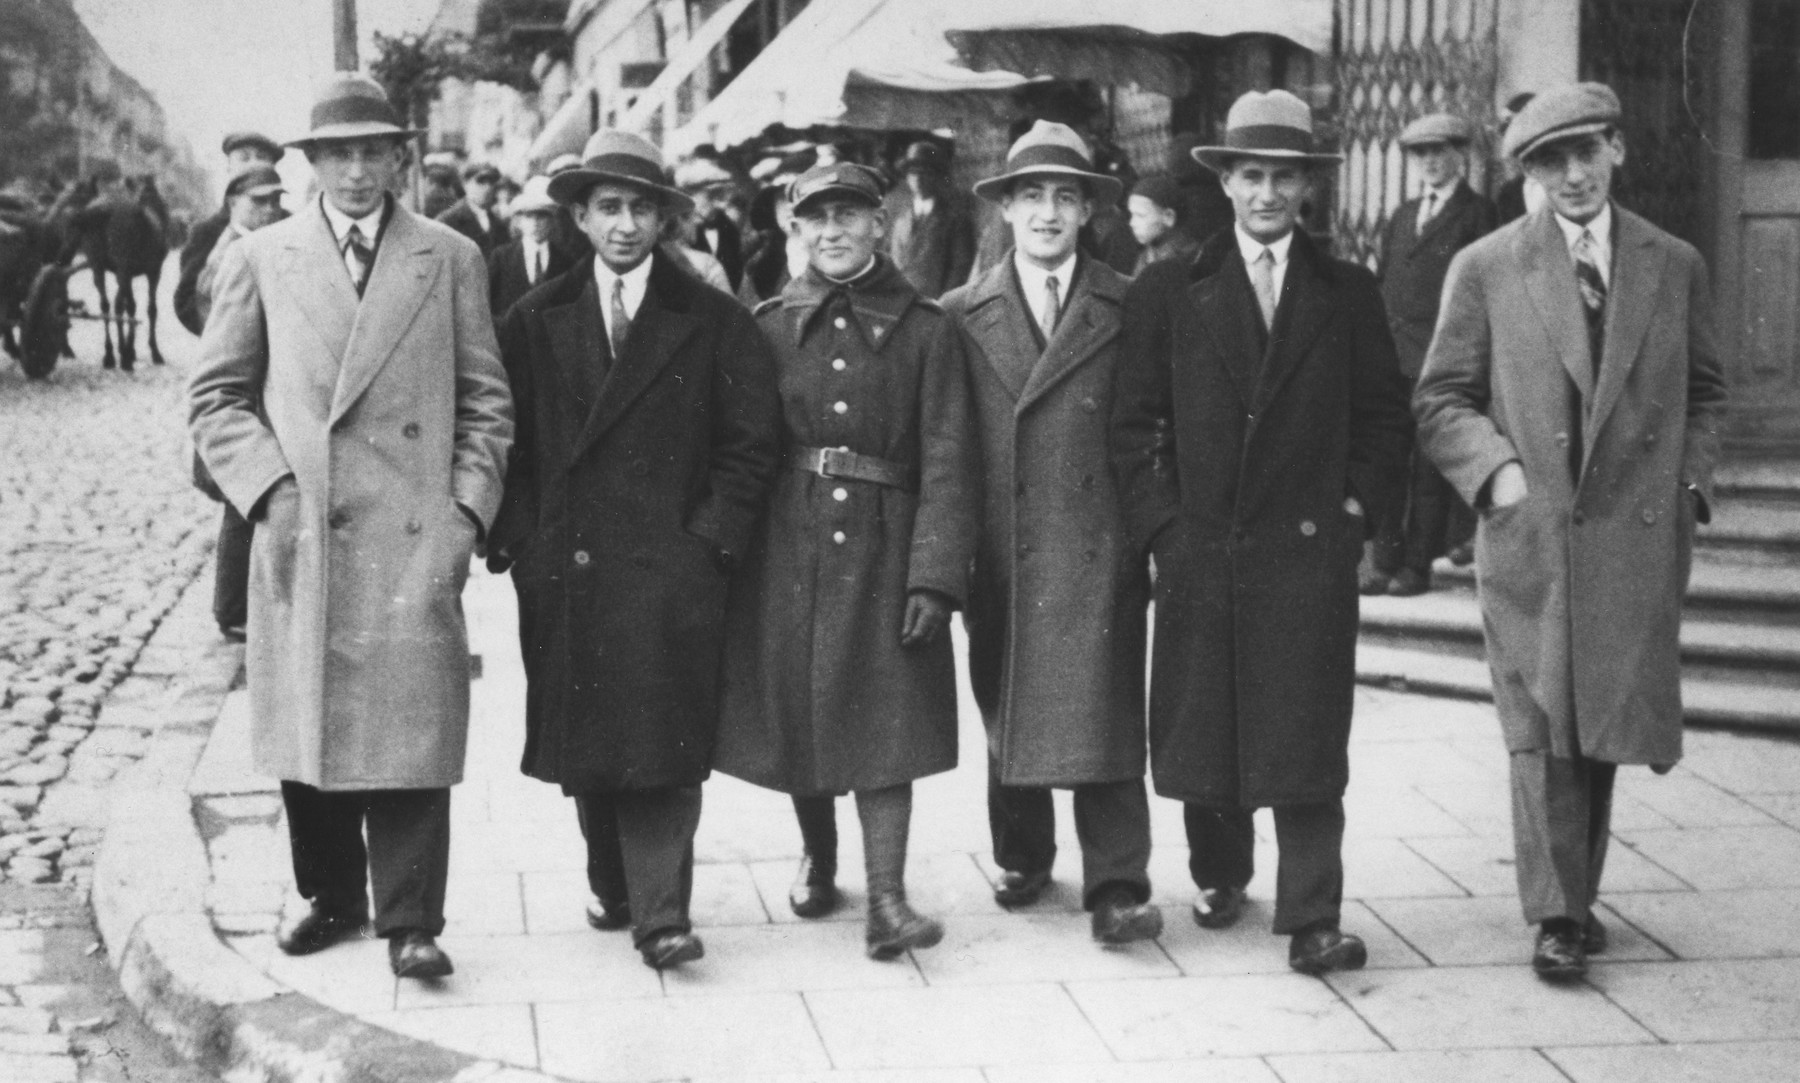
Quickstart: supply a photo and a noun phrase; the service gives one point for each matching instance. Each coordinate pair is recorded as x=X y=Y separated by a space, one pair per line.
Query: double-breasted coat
x=1234 y=450
x=1581 y=582
x=820 y=697
x=635 y=481
x=392 y=415
x=1057 y=613
x=1413 y=266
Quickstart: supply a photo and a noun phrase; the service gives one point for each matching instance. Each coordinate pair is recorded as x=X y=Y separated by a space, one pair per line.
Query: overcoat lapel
x=406 y=266
x=1638 y=263
x=1228 y=315
x=577 y=334
x=1550 y=281
x=1086 y=326
x=1000 y=320
x=1451 y=210
x=657 y=331
x=323 y=289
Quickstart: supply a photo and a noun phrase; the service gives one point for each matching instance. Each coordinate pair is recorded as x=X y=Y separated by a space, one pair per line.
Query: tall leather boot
x=815 y=892
x=894 y=927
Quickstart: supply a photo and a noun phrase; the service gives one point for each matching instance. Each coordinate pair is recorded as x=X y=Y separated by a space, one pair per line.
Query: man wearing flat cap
x=1416 y=249
x=933 y=235
x=1259 y=422
x=242 y=150
x=350 y=402
x=648 y=431
x=1057 y=613
x=1573 y=394
x=473 y=215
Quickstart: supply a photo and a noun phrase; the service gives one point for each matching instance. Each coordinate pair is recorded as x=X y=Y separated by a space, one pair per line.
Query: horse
x=29 y=240
x=127 y=238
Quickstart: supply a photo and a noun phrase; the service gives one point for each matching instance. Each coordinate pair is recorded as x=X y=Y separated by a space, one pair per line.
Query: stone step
x=1774 y=479
x=1719 y=588
x=1753 y=522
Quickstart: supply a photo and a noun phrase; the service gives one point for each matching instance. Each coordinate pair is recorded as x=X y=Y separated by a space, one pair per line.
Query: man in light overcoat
x=349 y=400
x=1573 y=395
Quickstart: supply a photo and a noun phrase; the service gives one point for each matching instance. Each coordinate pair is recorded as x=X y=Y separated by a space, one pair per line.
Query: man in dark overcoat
x=648 y=431
x=1416 y=248
x=1259 y=419
x=473 y=215
x=933 y=236
x=535 y=255
x=243 y=151
x=1057 y=616
x=1573 y=393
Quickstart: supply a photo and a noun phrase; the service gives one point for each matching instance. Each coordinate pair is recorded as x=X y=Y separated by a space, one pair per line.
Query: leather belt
x=831 y=462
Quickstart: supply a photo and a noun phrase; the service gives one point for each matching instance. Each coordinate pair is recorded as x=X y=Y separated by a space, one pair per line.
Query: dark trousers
x=1562 y=819
x=640 y=851
x=231 y=570
x=406 y=859
x=1112 y=822
x=1309 y=878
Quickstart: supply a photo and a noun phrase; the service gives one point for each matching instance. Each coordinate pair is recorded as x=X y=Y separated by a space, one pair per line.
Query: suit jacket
x=508 y=280
x=461 y=218
x=1582 y=580
x=730 y=249
x=934 y=252
x=1413 y=266
x=390 y=413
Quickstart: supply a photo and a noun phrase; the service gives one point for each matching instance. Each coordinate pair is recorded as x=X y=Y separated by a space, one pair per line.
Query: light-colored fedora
x=1270 y=124
x=1437 y=128
x=1050 y=149
x=353 y=107
x=535 y=197
x=615 y=157
x=1563 y=113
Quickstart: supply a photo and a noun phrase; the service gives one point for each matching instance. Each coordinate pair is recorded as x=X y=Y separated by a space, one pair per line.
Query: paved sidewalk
x=1702 y=982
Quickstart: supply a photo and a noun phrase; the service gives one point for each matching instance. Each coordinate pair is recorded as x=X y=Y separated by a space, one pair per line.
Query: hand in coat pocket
x=1507 y=487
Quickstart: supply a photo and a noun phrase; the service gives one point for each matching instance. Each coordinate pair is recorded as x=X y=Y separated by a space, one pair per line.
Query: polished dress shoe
x=319 y=928
x=895 y=927
x=815 y=892
x=1218 y=907
x=413 y=953
x=1594 y=938
x=608 y=917
x=1409 y=583
x=1021 y=888
x=671 y=947
x=1119 y=918
x=1560 y=954
x=1323 y=948
x=1462 y=555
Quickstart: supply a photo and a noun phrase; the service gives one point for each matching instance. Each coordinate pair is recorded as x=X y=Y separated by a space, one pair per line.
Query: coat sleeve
x=193 y=259
x=484 y=412
x=517 y=518
x=746 y=433
x=1706 y=390
x=944 y=526
x=1455 y=387
x=1381 y=428
x=224 y=396
x=1141 y=431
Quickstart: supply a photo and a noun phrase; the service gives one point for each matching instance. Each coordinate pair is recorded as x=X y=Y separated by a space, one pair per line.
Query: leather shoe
x=1409 y=583
x=413 y=953
x=1120 y=919
x=1462 y=555
x=1594 y=938
x=1560 y=955
x=1218 y=907
x=318 y=929
x=895 y=927
x=1021 y=888
x=815 y=892
x=608 y=918
x=669 y=948
x=1320 y=949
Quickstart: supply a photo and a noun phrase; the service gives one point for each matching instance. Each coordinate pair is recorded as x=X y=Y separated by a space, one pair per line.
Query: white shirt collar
x=1032 y=278
x=482 y=217
x=340 y=223
x=1443 y=194
x=637 y=283
x=1601 y=230
x=1250 y=248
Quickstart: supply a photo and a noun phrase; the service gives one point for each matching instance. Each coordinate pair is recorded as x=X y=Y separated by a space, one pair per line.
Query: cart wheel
x=45 y=325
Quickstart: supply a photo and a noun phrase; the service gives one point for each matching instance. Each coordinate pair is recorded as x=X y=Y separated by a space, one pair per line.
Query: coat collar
x=1461 y=197
x=877 y=301
x=1091 y=318
x=1637 y=270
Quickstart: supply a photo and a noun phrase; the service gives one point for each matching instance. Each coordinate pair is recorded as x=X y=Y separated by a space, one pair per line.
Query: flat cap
x=1563 y=113
x=262 y=142
x=481 y=171
x=255 y=181
x=1437 y=128
x=845 y=179
x=1160 y=189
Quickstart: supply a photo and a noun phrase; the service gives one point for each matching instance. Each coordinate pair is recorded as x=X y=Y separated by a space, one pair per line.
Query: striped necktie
x=358 y=257
x=1592 y=285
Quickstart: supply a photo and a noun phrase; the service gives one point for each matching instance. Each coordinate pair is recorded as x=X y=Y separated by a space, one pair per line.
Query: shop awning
x=567 y=130
x=661 y=93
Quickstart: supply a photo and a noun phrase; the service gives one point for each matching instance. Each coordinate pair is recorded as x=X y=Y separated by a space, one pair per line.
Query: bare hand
x=1353 y=506
x=927 y=612
x=1508 y=486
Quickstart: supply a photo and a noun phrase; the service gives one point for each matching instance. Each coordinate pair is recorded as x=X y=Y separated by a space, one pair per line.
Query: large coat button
x=1308 y=527
x=582 y=558
x=338 y=519
x=411 y=431
x=413 y=527
x=840 y=407
x=1090 y=405
x=1562 y=439
x=838 y=365
x=1649 y=516
x=840 y=323
x=838 y=537
x=840 y=494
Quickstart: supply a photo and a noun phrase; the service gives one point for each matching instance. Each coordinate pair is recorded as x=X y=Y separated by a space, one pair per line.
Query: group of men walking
x=737 y=537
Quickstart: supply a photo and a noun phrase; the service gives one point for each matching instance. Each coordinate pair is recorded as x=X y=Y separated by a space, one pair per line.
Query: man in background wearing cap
x=1416 y=248
x=242 y=150
x=1056 y=615
x=933 y=237
x=473 y=215
x=1573 y=395
x=535 y=256
x=648 y=430
x=709 y=228
x=1259 y=421
x=350 y=402
x=1155 y=208
x=252 y=201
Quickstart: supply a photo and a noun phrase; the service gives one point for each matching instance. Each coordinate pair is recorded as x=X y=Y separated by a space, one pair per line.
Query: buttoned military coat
x=1057 y=615
x=1581 y=582
x=392 y=415
x=820 y=697
x=1413 y=266
x=1234 y=450
x=634 y=482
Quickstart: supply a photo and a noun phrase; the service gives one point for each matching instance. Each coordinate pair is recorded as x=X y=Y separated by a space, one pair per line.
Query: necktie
x=620 y=323
x=358 y=257
x=1593 y=291
x=1052 y=300
x=537 y=265
x=1427 y=210
x=1262 y=278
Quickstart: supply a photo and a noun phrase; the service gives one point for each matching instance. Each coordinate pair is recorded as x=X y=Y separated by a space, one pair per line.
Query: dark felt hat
x=615 y=157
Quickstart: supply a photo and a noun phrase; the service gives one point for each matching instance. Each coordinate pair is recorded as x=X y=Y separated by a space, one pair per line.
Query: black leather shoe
x=815 y=892
x=1120 y=919
x=232 y=632
x=413 y=953
x=608 y=917
x=1021 y=888
x=1462 y=555
x=671 y=948
x=1318 y=950
x=1594 y=938
x=1218 y=907
x=318 y=929
x=1560 y=955
x=895 y=927
x=1408 y=583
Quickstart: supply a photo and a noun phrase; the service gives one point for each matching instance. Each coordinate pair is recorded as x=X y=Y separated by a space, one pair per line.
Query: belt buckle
x=824 y=470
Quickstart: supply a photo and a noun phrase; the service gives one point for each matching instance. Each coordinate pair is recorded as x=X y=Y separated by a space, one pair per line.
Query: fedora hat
x=615 y=157
x=1265 y=124
x=1050 y=149
x=353 y=107
x=534 y=198
x=1563 y=113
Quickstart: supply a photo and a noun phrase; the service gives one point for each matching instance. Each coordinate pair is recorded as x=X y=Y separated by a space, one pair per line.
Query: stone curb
x=212 y=1004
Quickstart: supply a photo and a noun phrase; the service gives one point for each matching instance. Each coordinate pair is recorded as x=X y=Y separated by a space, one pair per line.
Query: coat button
x=838 y=537
x=1649 y=516
x=840 y=323
x=1308 y=527
x=1562 y=439
x=640 y=467
x=839 y=364
x=411 y=431
x=840 y=494
x=840 y=407
x=1090 y=405
x=413 y=527
x=582 y=558
x=338 y=520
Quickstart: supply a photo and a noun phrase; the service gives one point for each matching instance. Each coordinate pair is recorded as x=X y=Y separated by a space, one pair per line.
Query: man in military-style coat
x=1259 y=418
